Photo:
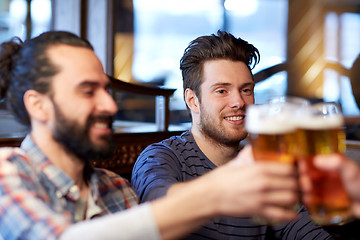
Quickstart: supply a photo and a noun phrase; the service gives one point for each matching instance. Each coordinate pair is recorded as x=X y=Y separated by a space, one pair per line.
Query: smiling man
x=56 y=85
x=82 y=116
x=218 y=87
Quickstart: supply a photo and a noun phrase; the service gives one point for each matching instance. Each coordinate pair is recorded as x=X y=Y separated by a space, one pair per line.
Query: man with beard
x=56 y=85
x=218 y=86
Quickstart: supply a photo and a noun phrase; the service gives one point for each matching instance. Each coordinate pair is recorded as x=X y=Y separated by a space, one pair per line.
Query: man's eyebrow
x=92 y=83
x=224 y=84
x=220 y=84
x=249 y=84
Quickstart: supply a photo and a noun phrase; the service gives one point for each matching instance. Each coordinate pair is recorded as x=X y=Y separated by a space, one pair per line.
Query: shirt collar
x=63 y=183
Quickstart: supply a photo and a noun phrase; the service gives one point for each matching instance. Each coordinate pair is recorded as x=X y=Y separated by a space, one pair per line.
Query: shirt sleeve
x=23 y=210
x=132 y=224
x=156 y=169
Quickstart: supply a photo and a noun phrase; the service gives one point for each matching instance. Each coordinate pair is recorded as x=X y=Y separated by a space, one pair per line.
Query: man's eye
x=88 y=92
x=221 y=91
x=247 y=90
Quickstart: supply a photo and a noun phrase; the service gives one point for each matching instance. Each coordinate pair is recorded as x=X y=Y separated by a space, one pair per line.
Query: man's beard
x=76 y=140
x=217 y=133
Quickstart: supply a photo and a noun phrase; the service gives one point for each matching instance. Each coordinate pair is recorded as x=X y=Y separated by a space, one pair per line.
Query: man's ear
x=37 y=105
x=191 y=100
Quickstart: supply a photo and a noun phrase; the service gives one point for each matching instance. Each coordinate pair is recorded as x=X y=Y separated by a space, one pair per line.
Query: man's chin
x=102 y=151
x=101 y=139
x=101 y=144
x=237 y=135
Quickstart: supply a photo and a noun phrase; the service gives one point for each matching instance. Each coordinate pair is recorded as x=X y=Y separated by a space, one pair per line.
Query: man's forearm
x=185 y=208
x=135 y=223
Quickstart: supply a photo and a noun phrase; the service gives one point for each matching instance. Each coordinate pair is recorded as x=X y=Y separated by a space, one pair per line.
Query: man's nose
x=237 y=100
x=106 y=103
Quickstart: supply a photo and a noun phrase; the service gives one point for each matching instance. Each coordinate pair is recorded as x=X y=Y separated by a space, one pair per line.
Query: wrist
x=182 y=211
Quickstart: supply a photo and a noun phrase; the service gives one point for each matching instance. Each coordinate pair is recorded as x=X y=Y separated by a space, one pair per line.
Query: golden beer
x=272 y=137
x=280 y=132
x=273 y=147
x=271 y=134
x=329 y=203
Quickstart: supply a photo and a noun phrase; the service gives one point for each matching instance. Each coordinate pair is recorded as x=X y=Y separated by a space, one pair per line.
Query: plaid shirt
x=37 y=199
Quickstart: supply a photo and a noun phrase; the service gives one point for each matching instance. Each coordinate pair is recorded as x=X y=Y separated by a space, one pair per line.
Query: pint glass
x=321 y=132
x=297 y=101
x=272 y=136
x=272 y=130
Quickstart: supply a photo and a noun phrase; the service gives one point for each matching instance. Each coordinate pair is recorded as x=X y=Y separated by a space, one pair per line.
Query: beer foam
x=269 y=127
x=322 y=122
x=262 y=119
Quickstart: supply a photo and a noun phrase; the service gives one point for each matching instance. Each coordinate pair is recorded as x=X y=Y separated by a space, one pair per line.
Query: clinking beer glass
x=272 y=136
x=321 y=132
x=272 y=128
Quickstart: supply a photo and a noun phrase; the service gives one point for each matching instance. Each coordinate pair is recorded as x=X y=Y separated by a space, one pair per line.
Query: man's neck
x=216 y=152
x=58 y=155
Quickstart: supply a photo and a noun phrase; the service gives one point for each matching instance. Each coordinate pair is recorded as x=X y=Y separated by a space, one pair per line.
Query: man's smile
x=234 y=118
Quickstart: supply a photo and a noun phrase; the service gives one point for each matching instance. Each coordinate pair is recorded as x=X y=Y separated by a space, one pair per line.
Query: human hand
x=349 y=172
x=264 y=190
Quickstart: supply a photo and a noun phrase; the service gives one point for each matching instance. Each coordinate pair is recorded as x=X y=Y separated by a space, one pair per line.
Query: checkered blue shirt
x=37 y=199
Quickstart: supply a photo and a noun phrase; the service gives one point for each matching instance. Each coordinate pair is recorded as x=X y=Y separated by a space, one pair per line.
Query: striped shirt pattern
x=179 y=159
x=38 y=200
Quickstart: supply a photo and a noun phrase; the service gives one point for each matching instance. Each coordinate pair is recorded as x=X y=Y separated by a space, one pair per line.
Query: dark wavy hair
x=221 y=46
x=25 y=65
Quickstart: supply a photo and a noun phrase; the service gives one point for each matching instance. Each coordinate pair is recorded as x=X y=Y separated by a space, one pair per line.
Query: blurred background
x=307 y=47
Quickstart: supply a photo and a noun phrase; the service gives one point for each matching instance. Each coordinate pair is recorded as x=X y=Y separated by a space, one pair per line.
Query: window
x=163 y=29
x=15 y=21
x=342 y=45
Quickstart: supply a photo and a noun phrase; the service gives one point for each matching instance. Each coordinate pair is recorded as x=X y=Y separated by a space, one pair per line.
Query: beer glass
x=298 y=101
x=321 y=132
x=272 y=135
x=272 y=128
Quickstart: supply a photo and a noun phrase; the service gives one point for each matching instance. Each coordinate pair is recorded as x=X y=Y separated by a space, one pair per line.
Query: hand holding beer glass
x=272 y=136
x=293 y=131
x=321 y=132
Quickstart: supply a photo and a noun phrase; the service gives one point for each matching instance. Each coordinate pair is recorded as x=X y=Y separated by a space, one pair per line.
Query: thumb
x=329 y=162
